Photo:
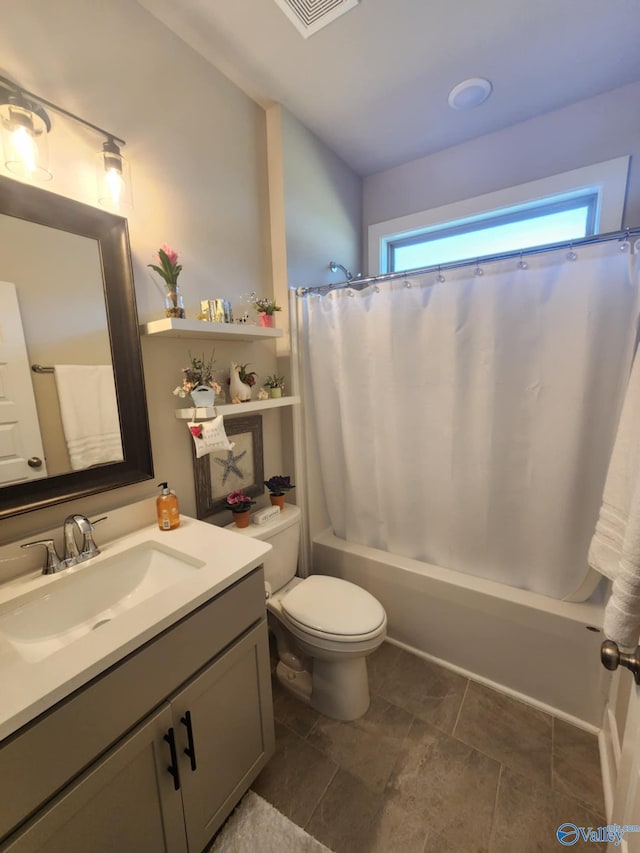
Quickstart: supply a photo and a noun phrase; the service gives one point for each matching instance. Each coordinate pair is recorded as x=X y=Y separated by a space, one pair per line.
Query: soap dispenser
x=167 y=508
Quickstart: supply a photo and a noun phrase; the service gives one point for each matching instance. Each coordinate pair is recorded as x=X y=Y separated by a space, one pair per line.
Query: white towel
x=89 y=411
x=615 y=547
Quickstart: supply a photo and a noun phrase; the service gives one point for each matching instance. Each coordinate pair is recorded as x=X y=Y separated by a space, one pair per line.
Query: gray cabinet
x=125 y=803
x=169 y=782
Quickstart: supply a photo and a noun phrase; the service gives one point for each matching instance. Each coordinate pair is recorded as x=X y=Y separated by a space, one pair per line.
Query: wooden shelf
x=236 y=408
x=169 y=327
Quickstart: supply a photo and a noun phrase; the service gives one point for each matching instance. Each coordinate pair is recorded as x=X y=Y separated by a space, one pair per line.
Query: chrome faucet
x=72 y=554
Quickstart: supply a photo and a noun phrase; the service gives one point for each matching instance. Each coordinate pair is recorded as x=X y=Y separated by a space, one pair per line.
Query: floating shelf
x=170 y=327
x=235 y=408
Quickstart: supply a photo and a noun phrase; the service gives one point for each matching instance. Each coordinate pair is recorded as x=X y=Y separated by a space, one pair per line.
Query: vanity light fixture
x=25 y=124
x=113 y=176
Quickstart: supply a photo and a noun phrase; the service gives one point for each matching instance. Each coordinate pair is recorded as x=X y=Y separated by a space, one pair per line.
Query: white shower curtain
x=469 y=423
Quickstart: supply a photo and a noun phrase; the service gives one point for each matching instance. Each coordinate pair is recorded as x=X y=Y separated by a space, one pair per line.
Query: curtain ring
x=440 y=279
x=478 y=270
x=407 y=284
x=571 y=255
x=625 y=242
x=522 y=264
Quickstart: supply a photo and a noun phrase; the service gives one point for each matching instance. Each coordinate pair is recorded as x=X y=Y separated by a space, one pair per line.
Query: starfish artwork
x=230 y=465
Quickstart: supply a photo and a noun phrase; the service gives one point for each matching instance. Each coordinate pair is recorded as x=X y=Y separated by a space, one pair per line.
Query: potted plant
x=240 y=505
x=278 y=485
x=169 y=269
x=275 y=384
x=199 y=381
x=241 y=381
x=266 y=308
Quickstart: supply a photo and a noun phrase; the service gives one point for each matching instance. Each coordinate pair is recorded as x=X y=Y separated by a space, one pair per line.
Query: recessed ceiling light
x=470 y=93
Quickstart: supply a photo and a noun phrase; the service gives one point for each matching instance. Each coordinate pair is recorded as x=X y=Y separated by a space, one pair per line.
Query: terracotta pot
x=242 y=518
x=266 y=320
x=277 y=500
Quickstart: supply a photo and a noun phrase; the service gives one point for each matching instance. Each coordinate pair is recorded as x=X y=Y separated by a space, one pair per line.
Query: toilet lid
x=333 y=606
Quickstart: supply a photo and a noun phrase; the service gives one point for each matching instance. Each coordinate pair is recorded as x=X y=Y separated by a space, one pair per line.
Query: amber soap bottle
x=167 y=509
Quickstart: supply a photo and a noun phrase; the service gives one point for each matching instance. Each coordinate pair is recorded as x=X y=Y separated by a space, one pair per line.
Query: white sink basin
x=81 y=599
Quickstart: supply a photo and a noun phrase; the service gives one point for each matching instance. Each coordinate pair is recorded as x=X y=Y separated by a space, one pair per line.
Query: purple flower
x=279 y=484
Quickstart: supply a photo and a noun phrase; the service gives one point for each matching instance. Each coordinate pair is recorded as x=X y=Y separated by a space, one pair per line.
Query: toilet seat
x=333 y=609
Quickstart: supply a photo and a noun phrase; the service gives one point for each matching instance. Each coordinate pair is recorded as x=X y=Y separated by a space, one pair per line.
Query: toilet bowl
x=324 y=626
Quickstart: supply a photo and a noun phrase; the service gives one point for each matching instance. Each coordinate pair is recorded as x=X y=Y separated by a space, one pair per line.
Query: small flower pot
x=266 y=320
x=275 y=392
x=242 y=518
x=277 y=500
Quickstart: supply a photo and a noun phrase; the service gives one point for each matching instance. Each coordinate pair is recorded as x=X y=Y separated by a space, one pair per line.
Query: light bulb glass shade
x=24 y=143
x=114 y=178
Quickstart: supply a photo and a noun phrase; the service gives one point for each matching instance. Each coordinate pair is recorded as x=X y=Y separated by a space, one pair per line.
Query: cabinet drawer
x=44 y=756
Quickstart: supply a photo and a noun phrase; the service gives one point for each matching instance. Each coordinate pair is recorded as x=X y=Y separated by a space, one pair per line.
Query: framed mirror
x=67 y=307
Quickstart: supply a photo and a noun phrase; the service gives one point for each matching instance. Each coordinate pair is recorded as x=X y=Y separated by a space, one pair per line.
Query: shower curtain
x=469 y=422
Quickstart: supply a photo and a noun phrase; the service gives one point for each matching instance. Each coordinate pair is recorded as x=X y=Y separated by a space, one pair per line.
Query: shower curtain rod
x=361 y=283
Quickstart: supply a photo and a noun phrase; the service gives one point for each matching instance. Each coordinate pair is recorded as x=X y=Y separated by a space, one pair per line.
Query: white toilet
x=324 y=626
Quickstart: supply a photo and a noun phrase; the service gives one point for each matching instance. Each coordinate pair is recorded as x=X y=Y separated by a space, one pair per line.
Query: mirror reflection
x=53 y=315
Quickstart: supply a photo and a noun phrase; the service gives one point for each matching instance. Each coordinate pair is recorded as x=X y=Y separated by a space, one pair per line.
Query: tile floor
x=439 y=764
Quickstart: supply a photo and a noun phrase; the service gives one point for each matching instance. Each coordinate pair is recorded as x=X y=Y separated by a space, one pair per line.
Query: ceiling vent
x=309 y=16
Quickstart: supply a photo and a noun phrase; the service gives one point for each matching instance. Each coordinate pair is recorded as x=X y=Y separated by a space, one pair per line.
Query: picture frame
x=223 y=471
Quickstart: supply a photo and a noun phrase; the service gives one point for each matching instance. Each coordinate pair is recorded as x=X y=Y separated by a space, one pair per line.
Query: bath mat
x=257 y=826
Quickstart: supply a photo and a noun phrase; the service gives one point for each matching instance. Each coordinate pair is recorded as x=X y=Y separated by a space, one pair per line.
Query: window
x=505 y=231
x=559 y=208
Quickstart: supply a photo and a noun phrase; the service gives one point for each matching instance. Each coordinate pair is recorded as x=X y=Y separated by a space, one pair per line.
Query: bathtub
x=535 y=648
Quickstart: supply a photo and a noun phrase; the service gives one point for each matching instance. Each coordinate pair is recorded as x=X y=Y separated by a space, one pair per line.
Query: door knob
x=34 y=462
x=612 y=658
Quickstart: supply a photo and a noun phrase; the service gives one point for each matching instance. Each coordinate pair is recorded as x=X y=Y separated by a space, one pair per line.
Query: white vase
x=238 y=389
x=203 y=395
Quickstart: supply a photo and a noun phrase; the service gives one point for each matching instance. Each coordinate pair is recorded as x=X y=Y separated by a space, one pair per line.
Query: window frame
x=608 y=180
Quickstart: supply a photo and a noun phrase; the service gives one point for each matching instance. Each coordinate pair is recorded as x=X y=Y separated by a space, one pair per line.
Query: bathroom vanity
x=142 y=731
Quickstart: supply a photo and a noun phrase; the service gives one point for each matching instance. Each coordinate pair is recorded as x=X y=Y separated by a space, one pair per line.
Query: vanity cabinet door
x=125 y=803
x=230 y=715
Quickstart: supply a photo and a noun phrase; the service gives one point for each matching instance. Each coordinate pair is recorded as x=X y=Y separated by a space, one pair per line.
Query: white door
x=626 y=803
x=20 y=439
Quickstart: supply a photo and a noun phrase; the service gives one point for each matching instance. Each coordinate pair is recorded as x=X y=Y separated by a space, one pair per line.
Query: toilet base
x=295 y=681
x=340 y=688
x=337 y=689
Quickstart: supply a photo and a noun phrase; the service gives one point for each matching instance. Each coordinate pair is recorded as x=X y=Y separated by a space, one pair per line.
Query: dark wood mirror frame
x=111 y=233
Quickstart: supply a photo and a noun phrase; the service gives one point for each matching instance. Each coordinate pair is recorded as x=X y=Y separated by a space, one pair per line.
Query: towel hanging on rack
x=615 y=547
x=89 y=411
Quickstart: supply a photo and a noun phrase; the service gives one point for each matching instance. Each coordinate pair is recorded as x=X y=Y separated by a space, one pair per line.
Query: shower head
x=334 y=267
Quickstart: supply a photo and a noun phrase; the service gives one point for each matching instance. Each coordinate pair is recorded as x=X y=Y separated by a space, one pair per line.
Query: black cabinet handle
x=173 y=767
x=190 y=750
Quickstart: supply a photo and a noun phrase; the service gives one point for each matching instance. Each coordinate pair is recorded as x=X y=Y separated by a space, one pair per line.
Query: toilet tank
x=282 y=532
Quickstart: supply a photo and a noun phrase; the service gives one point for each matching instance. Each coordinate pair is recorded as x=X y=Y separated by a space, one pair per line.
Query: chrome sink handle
x=89 y=547
x=53 y=562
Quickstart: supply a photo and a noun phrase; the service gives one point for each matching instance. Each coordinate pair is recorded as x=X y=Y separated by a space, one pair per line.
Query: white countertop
x=29 y=688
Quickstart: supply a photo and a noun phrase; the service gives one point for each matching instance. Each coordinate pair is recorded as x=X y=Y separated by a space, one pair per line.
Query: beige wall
x=319 y=220
x=585 y=133
x=197 y=150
